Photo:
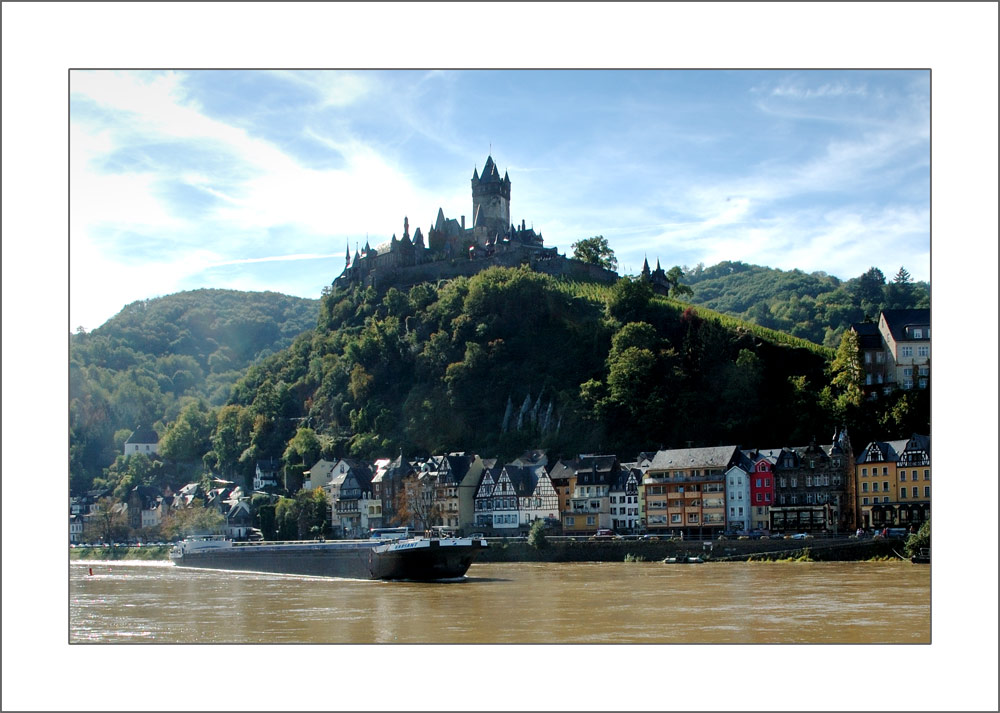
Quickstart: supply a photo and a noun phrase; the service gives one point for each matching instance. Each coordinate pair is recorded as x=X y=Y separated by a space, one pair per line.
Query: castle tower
x=490 y=202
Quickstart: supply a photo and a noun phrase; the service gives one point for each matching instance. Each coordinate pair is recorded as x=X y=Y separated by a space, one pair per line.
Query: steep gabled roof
x=522 y=478
x=143 y=434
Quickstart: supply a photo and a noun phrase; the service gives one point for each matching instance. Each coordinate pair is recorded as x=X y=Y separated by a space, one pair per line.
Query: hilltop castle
x=452 y=249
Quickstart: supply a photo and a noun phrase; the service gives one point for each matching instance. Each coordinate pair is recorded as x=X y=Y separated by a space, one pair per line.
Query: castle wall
x=544 y=262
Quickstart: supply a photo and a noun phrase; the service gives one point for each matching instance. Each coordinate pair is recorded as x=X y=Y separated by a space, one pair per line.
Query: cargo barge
x=423 y=559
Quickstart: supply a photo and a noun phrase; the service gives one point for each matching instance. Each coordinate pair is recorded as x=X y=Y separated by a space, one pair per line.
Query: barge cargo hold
x=422 y=559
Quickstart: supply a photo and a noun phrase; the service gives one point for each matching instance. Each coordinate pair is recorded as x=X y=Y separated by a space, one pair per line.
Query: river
x=576 y=603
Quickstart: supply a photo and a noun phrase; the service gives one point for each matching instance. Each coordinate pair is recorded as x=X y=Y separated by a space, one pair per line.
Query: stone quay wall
x=557 y=550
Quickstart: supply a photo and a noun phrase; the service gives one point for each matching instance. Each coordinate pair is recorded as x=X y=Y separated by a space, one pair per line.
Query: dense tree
x=595 y=251
x=848 y=372
x=107 y=523
x=629 y=301
x=193 y=520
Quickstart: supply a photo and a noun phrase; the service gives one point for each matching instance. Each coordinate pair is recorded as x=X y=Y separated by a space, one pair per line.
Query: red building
x=761 y=488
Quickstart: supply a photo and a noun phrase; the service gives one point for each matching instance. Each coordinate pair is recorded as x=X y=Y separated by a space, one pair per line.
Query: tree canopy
x=595 y=251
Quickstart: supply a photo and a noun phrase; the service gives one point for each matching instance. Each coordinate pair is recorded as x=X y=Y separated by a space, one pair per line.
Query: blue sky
x=258 y=180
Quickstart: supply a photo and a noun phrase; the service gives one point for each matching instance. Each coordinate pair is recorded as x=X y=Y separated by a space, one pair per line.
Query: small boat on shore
x=922 y=557
x=683 y=560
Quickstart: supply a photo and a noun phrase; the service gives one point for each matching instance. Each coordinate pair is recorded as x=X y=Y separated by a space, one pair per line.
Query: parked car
x=801 y=536
x=604 y=534
x=477 y=536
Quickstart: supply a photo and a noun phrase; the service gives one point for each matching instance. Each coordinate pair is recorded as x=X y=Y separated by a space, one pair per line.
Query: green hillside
x=147 y=362
x=510 y=359
x=496 y=363
x=816 y=306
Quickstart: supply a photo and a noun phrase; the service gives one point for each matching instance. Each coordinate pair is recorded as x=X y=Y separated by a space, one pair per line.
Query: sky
x=261 y=180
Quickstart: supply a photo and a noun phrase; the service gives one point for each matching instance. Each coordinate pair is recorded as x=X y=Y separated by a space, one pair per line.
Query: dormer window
x=918 y=334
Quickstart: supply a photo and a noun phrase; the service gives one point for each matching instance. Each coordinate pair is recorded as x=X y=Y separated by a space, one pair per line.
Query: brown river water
x=522 y=603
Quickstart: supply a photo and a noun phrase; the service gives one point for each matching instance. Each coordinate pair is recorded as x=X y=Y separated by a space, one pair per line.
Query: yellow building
x=892 y=483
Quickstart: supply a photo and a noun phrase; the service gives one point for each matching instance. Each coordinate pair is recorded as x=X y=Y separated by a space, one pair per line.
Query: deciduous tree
x=595 y=251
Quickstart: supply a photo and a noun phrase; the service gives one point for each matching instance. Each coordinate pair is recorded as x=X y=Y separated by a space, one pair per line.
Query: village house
x=623 y=499
x=143 y=440
x=892 y=483
x=590 y=506
x=267 y=475
x=761 y=479
x=686 y=491
x=811 y=488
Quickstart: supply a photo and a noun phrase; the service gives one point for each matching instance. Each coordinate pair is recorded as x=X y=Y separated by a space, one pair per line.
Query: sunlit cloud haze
x=261 y=180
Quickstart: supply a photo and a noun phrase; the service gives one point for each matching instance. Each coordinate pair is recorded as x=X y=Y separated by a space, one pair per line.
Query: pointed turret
x=439 y=223
x=645 y=268
x=348 y=260
x=406 y=228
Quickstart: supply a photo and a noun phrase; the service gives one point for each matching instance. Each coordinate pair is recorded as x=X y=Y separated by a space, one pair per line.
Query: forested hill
x=496 y=363
x=146 y=362
x=815 y=306
x=510 y=359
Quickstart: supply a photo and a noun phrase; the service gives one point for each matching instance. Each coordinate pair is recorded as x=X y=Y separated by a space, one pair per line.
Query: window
x=864 y=487
x=902 y=493
x=868 y=357
x=885 y=470
x=692 y=517
x=902 y=476
x=767 y=497
x=864 y=472
x=759 y=498
x=923 y=351
x=927 y=491
x=879 y=357
x=927 y=474
x=908 y=372
x=795 y=482
x=918 y=334
x=570 y=521
x=864 y=501
x=906 y=351
x=875 y=486
x=741 y=512
x=590 y=519
x=916 y=491
x=809 y=481
x=767 y=482
x=885 y=485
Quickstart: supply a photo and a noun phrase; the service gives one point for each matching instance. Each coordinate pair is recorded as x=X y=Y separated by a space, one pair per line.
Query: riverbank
x=559 y=550
x=814 y=549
